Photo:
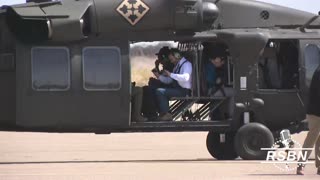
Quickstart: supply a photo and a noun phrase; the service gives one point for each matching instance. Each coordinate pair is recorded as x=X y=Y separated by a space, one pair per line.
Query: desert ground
x=25 y=156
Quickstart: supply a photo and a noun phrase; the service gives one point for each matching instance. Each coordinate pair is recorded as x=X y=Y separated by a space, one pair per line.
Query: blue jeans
x=164 y=95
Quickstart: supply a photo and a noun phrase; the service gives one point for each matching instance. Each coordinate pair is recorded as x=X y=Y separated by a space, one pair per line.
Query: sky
x=306 y=5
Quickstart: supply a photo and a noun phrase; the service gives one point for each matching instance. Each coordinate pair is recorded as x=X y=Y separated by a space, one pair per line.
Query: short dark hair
x=218 y=51
x=223 y=58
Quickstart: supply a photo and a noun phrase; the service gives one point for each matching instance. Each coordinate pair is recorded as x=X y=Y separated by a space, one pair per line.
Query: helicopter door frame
x=278 y=95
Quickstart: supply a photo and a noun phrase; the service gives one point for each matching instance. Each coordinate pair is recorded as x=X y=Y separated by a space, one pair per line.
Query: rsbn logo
x=286 y=153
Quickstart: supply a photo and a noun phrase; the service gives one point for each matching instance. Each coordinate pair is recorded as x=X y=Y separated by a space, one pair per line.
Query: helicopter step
x=174 y=126
x=195 y=108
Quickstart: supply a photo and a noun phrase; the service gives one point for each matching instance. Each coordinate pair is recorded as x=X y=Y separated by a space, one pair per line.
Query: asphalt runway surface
x=184 y=156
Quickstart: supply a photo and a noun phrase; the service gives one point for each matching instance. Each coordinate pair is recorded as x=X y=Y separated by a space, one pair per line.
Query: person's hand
x=156 y=74
x=152 y=78
x=154 y=70
x=166 y=73
x=157 y=63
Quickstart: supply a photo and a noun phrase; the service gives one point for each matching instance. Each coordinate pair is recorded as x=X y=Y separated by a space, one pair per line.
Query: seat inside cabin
x=200 y=104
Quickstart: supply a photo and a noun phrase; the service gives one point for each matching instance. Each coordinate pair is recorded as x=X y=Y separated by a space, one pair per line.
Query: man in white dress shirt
x=180 y=80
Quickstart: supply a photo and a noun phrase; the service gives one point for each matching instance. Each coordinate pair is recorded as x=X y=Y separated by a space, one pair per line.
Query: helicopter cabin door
x=77 y=87
x=278 y=84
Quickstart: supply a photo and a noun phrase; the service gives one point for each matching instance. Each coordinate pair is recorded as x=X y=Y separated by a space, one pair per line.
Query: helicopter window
x=312 y=61
x=279 y=66
x=269 y=69
x=50 y=69
x=101 y=68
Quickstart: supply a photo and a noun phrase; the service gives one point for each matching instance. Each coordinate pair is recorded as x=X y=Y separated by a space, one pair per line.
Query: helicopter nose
x=210 y=13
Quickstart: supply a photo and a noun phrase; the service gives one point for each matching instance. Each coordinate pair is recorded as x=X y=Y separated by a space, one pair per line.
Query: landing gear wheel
x=249 y=140
x=221 y=150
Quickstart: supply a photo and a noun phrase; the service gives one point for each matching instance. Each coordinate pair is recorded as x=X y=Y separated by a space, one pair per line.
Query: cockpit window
x=50 y=68
x=101 y=68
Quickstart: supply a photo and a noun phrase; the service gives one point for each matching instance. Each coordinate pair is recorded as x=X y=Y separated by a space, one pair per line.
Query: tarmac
x=165 y=156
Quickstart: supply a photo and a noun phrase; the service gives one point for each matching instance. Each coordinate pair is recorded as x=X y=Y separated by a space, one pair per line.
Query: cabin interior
x=202 y=104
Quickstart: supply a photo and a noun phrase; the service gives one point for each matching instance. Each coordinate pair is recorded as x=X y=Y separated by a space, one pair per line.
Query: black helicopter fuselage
x=54 y=81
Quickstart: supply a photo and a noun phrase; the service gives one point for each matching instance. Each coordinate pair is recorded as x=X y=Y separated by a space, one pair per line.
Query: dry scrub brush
x=141 y=69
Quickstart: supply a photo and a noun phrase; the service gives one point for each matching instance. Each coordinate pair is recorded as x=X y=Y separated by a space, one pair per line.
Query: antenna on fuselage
x=303 y=28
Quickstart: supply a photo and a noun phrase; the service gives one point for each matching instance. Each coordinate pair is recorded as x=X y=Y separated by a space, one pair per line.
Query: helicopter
x=65 y=68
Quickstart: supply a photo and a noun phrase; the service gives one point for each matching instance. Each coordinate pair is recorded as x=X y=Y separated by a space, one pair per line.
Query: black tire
x=224 y=150
x=249 y=140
